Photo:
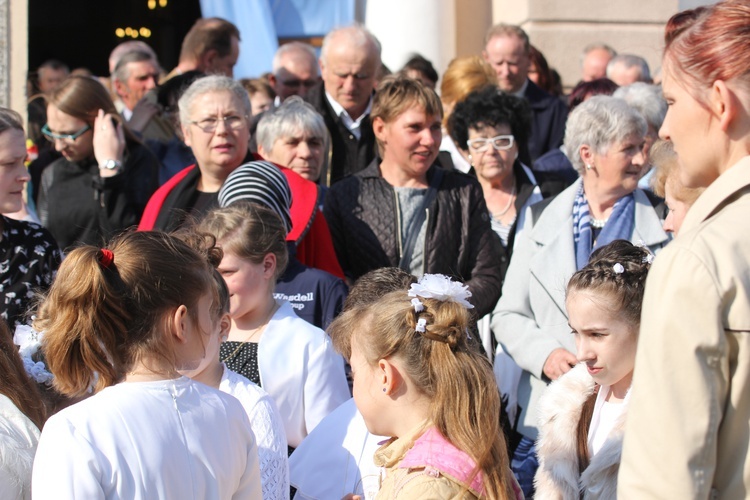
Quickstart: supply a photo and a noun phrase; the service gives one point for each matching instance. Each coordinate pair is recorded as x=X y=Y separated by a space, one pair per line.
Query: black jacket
x=78 y=206
x=548 y=117
x=362 y=215
x=349 y=155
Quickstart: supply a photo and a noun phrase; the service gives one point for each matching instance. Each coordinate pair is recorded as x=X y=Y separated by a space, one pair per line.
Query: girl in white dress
x=582 y=414
x=261 y=410
x=123 y=321
x=268 y=343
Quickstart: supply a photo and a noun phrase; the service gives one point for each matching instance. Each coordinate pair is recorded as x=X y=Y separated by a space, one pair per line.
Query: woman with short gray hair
x=294 y=135
x=604 y=139
x=214 y=114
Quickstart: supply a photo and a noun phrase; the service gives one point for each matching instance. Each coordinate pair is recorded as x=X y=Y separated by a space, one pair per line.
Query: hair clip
x=418 y=306
x=618 y=268
x=106 y=258
x=421 y=324
x=649 y=259
x=440 y=287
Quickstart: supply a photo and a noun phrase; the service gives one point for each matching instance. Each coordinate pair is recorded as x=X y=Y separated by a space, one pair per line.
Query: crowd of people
x=336 y=282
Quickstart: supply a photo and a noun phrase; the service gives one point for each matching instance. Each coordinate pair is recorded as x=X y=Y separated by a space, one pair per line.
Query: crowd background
x=295 y=186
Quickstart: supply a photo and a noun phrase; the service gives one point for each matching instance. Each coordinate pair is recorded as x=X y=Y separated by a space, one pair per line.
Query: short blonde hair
x=397 y=93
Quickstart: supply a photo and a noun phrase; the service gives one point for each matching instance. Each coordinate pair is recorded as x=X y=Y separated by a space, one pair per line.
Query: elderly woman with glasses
x=405 y=211
x=105 y=176
x=604 y=138
x=214 y=113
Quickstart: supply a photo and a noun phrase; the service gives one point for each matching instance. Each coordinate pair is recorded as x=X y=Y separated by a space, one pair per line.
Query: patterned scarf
x=618 y=227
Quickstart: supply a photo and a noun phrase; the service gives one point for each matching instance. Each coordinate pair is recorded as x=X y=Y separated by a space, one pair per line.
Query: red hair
x=708 y=44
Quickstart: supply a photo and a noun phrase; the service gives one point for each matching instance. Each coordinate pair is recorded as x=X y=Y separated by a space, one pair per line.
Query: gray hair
x=212 y=83
x=129 y=46
x=630 y=61
x=297 y=49
x=504 y=29
x=357 y=36
x=647 y=100
x=292 y=116
x=122 y=70
x=598 y=46
x=600 y=122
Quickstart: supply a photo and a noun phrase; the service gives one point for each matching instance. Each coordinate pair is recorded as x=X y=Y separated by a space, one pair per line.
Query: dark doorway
x=82 y=33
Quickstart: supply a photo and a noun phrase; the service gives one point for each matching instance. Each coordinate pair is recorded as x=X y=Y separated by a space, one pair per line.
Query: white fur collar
x=559 y=413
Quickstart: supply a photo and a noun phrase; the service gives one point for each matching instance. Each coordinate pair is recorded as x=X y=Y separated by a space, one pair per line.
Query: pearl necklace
x=598 y=223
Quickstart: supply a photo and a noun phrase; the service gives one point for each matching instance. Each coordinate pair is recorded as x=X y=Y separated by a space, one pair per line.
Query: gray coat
x=530 y=320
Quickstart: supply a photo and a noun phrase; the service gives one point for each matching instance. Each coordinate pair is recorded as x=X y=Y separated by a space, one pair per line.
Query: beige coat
x=688 y=429
x=423 y=482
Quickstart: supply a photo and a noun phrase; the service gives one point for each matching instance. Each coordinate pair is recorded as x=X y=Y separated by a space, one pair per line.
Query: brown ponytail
x=101 y=319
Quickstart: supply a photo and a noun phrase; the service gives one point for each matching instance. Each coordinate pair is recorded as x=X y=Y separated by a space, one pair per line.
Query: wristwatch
x=111 y=165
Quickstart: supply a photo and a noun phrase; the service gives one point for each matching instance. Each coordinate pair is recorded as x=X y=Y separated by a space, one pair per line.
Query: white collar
x=341 y=112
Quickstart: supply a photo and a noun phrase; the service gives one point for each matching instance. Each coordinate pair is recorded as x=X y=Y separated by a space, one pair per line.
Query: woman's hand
x=351 y=496
x=109 y=142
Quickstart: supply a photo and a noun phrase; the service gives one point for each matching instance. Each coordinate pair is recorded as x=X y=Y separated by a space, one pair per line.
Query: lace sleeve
x=272 y=449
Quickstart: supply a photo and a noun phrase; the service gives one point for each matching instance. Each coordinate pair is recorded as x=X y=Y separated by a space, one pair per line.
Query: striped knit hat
x=259 y=182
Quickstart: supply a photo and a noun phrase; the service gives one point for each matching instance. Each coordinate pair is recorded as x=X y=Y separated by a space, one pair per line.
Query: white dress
x=301 y=372
x=18 y=441
x=164 y=439
x=269 y=432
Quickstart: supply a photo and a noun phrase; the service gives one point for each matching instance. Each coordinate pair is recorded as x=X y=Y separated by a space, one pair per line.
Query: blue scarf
x=618 y=227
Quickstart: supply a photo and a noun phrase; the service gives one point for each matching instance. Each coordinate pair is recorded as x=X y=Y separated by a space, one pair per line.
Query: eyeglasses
x=299 y=83
x=500 y=142
x=67 y=138
x=231 y=122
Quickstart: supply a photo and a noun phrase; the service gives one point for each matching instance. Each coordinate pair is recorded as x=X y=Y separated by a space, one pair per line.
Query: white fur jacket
x=559 y=412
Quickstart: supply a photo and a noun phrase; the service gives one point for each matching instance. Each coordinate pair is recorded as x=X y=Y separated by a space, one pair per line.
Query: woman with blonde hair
x=105 y=177
x=463 y=76
x=687 y=434
x=404 y=210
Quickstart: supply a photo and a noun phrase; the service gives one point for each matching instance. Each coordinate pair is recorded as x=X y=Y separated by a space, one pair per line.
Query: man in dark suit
x=507 y=50
x=348 y=62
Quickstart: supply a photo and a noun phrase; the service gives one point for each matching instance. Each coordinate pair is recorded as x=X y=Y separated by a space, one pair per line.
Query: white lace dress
x=269 y=433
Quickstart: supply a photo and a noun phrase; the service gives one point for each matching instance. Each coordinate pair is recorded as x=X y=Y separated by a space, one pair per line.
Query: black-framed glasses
x=500 y=142
x=231 y=122
x=69 y=138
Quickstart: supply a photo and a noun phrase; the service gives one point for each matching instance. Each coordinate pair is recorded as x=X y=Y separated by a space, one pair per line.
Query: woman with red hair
x=687 y=434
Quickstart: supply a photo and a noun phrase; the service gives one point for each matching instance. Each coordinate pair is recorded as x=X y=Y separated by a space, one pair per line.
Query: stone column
x=13 y=53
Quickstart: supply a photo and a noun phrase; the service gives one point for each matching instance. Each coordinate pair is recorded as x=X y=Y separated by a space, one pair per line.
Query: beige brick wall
x=561 y=29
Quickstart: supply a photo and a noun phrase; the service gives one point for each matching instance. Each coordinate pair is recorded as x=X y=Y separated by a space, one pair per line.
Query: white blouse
x=164 y=439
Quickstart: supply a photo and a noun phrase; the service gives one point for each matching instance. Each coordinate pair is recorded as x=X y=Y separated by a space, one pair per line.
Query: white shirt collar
x=350 y=123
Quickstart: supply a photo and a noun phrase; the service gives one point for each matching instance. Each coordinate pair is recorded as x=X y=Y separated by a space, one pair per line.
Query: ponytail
x=107 y=308
x=432 y=344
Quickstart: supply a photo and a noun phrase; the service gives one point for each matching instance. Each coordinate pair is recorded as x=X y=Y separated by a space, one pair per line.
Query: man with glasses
x=295 y=71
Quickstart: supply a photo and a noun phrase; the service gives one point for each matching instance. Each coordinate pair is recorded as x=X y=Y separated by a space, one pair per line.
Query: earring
x=588 y=166
x=471 y=161
x=383 y=389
